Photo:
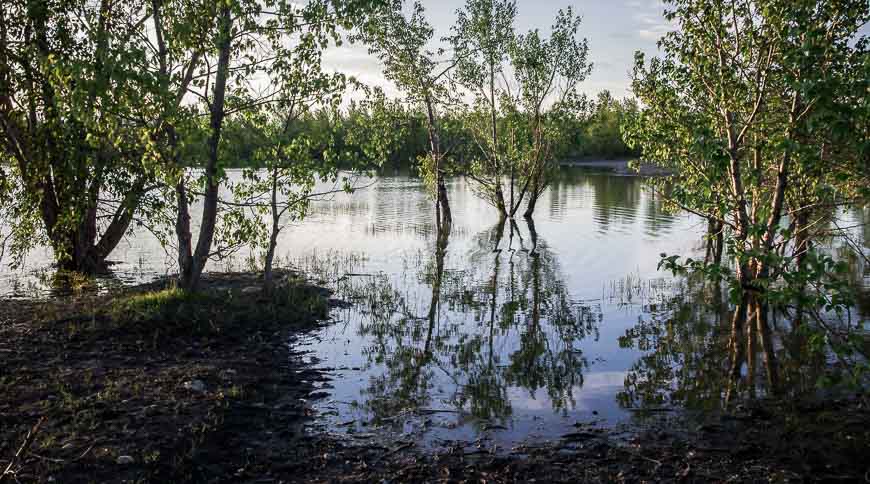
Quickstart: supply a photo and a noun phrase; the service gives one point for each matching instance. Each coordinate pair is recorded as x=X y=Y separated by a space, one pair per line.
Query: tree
x=523 y=86
x=192 y=261
x=401 y=42
x=754 y=106
x=546 y=71
x=290 y=161
x=483 y=36
x=246 y=41
x=102 y=104
x=76 y=126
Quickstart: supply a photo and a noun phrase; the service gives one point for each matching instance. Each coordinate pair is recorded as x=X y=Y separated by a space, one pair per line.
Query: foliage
x=76 y=125
x=589 y=130
x=754 y=107
x=524 y=88
x=593 y=128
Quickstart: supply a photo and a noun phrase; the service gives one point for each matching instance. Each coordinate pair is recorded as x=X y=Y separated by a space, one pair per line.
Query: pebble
x=125 y=460
x=195 y=386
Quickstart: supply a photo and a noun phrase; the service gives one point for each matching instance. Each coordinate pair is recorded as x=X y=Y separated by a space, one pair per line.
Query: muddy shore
x=214 y=390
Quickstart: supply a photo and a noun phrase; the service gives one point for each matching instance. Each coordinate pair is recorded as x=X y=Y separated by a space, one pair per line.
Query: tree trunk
x=719 y=246
x=182 y=233
x=802 y=246
x=268 y=278
x=268 y=274
x=442 y=204
x=751 y=350
x=770 y=360
x=715 y=242
x=708 y=255
x=737 y=324
x=533 y=201
x=446 y=219
x=522 y=195
x=499 y=193
x=533 y=233
x=120 y=223
x=189 y=280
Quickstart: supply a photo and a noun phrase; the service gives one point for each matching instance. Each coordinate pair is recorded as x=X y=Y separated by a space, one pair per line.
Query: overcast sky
x=615 y=30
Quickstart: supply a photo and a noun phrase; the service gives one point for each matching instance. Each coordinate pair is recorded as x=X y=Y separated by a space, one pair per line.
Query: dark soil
x=203 y=396
x=763 y=442
x=209 y=390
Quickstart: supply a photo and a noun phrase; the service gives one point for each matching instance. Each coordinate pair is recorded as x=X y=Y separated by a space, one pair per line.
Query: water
x=505 y=332
x=509 y=332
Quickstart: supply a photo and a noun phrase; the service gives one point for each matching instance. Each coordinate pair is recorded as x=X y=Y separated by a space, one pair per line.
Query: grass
x=154 y=304
x=166 y=308
x=171 y=311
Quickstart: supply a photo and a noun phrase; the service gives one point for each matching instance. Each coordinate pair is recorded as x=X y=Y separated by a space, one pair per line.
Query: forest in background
x=593 y=133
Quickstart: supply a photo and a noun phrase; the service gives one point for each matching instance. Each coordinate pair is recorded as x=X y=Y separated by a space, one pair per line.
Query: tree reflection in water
x=506 y=321
x=695 y=358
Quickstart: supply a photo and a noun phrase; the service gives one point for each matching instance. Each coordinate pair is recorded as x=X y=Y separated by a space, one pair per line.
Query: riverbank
x=149 y=385
x=617 y=167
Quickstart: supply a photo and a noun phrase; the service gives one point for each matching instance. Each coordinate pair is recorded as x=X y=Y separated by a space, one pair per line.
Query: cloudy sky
x=615 y=30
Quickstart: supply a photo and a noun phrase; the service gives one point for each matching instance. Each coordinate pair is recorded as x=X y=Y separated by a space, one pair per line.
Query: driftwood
x=28 y=441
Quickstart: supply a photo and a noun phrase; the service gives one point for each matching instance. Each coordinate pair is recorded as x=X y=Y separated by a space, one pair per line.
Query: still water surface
x=500 y=331
x=505 y=331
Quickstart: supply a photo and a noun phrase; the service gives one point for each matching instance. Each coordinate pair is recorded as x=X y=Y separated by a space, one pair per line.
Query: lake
x=500 y=332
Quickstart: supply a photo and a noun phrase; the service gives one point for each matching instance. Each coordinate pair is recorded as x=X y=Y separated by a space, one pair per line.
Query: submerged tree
x=547 y=71
x=483 y=36
x=524 y=86
x=401 y=42
x=755 y=107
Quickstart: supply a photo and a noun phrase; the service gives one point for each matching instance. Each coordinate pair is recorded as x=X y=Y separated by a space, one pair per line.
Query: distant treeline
x=593 y=133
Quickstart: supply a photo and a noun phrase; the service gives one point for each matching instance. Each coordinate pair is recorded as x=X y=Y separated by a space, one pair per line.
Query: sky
x=615 y=29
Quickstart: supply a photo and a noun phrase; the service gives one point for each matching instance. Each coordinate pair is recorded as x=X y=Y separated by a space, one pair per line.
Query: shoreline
x=617 y=167
x=231 y=402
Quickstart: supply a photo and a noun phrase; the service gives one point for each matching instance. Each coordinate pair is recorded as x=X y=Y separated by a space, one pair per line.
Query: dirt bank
x=153 y=387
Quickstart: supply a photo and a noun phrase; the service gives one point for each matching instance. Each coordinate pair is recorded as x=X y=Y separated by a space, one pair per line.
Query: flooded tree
x=525 y=88
x=547 y=71
x=401 y=42
x=483 y=36
x=754 y=106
